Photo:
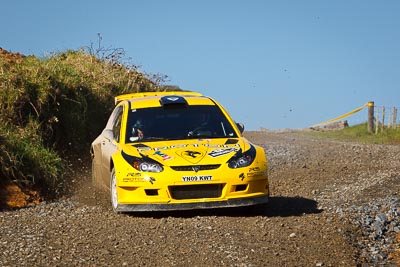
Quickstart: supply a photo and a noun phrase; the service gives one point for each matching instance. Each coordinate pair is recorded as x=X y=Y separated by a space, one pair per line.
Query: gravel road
x=332 y=204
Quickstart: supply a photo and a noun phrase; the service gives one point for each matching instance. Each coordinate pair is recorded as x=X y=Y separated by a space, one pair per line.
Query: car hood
x=189 y=152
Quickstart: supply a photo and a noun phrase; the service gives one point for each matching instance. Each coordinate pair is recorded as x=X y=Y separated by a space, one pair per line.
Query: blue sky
x=271 y=64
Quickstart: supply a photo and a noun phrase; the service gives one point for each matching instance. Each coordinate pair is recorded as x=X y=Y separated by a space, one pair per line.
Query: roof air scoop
x=173 y=100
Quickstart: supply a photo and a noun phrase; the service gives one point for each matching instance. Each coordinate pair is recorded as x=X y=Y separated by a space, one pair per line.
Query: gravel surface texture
x=332 y=204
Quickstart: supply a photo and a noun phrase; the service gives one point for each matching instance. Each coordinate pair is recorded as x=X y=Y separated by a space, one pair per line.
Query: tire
x=113 y=192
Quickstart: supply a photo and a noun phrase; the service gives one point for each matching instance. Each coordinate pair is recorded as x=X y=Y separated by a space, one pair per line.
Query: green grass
x=26 y=160
x=359 y=133
x=54 y=107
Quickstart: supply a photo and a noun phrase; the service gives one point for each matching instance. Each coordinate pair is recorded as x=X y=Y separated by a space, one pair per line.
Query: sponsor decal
x=160 y=148
x=134 y=179
x=178 y=146
x=138 y=179
x=192 y=154
x=255 y=169
x=220 y=152
x=162 y=155
x=196 y=178
x=151 y=179
x=143 y=148
x=134 y=174
x=252 y=174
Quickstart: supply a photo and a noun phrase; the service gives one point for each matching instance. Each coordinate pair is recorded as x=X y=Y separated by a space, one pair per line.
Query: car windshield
x=177 y=122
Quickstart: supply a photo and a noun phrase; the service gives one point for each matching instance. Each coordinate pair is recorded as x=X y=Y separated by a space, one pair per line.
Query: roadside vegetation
x=359 y=133
x=53 y=107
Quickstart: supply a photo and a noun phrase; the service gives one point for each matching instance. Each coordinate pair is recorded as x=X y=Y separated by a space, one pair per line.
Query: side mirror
x=108 y=134
x=240 y=126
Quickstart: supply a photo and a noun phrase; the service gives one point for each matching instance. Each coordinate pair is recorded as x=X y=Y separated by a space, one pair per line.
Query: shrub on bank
x=26 y=161
x=55 y=106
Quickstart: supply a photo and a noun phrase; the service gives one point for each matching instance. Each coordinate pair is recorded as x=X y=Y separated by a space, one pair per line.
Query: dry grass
x=55 y=106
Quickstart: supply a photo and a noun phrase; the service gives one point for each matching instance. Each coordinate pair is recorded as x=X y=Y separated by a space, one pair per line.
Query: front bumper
x=242 y=202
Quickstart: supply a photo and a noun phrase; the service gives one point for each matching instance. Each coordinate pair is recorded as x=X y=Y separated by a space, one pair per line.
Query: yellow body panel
x=195 y=171
x=152 y=94
x=136 y=187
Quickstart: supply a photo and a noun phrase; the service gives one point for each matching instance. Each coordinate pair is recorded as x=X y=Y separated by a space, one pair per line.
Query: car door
x=110 y=142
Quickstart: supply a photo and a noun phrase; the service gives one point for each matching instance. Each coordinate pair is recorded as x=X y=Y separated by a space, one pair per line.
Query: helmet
x=138 y=124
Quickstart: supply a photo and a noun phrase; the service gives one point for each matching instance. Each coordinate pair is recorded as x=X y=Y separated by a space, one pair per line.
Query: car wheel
x=113 y=191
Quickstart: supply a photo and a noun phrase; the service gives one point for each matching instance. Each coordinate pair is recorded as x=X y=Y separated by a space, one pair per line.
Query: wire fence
x=385 y=117
x=378 y=117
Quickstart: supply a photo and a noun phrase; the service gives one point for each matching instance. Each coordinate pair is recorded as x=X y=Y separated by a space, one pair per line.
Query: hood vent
x=231 y=141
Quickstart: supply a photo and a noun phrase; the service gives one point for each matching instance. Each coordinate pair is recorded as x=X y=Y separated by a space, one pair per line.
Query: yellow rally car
x=177 y=151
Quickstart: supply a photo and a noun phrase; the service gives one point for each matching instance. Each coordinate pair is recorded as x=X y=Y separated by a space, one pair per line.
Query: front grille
x=196 y=191
x=196 y=167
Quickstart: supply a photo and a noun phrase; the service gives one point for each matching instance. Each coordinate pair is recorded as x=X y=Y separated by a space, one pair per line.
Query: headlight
x=240 y=160
x=144 y=164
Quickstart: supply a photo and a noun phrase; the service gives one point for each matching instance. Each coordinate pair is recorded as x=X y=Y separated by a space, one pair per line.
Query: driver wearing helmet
x=137 y=131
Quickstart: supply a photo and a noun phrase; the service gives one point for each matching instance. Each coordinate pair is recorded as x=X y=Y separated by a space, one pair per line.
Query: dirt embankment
x=332 y=204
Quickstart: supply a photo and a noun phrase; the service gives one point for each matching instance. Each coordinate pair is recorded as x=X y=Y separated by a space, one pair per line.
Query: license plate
x=196 y=178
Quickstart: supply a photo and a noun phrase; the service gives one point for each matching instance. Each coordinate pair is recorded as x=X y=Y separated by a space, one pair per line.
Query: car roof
x=156 y=99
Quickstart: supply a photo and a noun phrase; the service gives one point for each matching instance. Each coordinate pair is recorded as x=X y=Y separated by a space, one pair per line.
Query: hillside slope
x=52 y=108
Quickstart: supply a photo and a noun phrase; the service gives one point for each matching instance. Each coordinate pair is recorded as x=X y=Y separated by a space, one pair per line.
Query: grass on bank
x=359 y=133
x=28 y=162
x=54 y=107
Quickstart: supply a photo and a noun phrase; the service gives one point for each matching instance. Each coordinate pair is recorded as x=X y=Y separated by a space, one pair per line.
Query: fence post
x=394 y=123
x=371 y=117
